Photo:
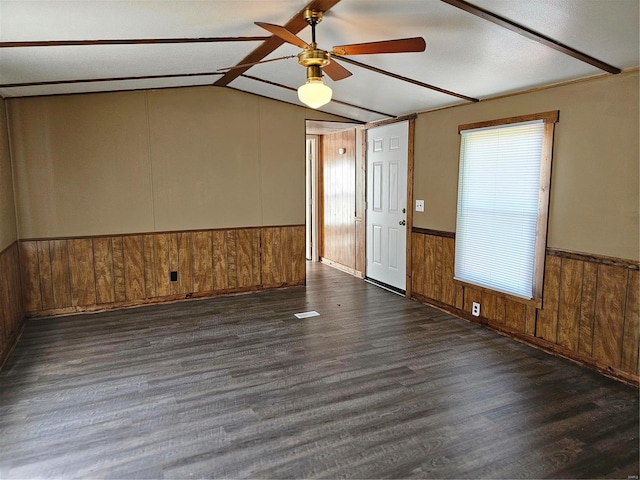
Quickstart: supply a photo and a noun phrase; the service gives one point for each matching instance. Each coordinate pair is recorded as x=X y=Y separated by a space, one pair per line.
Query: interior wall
x=205 y=160
x=8 y=232
x=153 y=161
x=338 y=177
x=85 y=274
x=594 y=184
x=590 y=310
x=11 y=311
x=82 y=164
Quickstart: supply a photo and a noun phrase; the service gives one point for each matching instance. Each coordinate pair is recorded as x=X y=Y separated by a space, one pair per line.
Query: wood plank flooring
x=377 y=386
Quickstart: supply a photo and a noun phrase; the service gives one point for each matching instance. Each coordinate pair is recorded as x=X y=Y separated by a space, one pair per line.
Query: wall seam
x=69 y=281
x=559 y=301
x=624 y=318
x=144 y=268
x=13 y=175
x=193 y=281
x=595 y=310
x=113 y=269
x=39 y=274
x=149 y=158
x=95 y=277
x=260 y=162
x=580 y=311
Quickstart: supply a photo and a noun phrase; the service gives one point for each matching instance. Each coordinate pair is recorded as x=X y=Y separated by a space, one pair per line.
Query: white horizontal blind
x=498 y=206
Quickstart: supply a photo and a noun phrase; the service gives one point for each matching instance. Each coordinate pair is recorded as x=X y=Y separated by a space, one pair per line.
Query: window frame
x=549 y=119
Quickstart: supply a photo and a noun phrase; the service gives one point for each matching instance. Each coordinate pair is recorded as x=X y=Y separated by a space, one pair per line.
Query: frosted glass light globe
x=314 y=93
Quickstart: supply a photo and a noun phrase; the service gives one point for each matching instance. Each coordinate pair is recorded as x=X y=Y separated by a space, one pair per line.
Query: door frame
x=312 y=180
x=410 y=174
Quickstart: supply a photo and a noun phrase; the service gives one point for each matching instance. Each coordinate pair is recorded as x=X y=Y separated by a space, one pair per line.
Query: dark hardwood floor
x=235 y=387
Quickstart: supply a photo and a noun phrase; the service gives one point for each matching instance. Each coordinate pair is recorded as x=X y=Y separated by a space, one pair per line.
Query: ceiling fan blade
x=243 y=65
x=284 y=34
x=401 y=45
x=336 y=71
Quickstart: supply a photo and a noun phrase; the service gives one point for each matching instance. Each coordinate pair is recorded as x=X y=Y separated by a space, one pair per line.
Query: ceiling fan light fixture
x=314 y=93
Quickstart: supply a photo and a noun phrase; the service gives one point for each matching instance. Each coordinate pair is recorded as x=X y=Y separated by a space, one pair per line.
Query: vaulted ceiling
x=475 y=50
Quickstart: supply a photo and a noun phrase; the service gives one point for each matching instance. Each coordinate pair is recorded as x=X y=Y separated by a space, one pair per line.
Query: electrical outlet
x=475 y=310
x=419 y=205
x=173 y=276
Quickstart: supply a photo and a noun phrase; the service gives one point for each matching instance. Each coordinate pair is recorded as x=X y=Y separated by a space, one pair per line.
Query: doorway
x=334 y=185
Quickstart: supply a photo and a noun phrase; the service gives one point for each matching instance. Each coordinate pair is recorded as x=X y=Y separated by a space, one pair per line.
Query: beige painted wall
x=282 y=162
x=206 y=171
x=594 y=191
x=8 y=233
x=159 y=160
x=81 y=164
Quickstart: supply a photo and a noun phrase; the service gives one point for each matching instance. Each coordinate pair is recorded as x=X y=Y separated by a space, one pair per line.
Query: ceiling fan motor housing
x=313 y=57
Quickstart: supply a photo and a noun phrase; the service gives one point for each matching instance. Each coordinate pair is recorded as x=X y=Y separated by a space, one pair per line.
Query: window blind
x=498 y=189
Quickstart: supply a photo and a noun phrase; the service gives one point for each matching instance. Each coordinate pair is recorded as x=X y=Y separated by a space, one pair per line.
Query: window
x=503 y=198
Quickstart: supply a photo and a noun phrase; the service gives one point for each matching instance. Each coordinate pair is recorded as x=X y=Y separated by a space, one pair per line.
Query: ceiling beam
x=132 y=41
x=294 y=25
x=531 y=34
x=113 y=79
x=333 y=100
x=405 y=79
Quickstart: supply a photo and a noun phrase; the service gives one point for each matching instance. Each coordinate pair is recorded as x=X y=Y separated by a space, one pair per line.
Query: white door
x=387 y=154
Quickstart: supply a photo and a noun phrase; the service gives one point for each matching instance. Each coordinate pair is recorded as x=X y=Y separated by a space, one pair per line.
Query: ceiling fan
x=315 y=92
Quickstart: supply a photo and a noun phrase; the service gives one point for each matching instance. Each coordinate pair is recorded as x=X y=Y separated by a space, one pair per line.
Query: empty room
x=319 y=239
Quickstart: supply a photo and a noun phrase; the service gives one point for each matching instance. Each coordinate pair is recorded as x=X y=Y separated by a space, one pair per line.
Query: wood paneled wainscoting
x=11 y=310
x=590 y=307
x=95 y=273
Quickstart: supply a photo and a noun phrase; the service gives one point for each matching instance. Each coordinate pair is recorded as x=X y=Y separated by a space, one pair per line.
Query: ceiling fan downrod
x=313 y=17
x=313 y=56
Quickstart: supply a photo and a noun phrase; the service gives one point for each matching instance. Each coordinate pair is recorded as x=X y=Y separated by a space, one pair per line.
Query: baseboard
x=57 y=312
x=343 y=268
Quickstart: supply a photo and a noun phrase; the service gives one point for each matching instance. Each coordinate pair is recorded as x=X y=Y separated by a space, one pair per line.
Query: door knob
x=402 y=222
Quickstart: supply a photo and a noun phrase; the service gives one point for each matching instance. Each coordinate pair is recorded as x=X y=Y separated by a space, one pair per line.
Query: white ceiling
x=465 y=54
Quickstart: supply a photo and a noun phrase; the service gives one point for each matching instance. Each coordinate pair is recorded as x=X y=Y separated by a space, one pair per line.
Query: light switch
x=419 y=205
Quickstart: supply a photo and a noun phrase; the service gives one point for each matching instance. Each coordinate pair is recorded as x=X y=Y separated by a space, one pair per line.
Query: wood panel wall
x=84 y=274
x=338 y=194
x=11 y=310
x=590 y=310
